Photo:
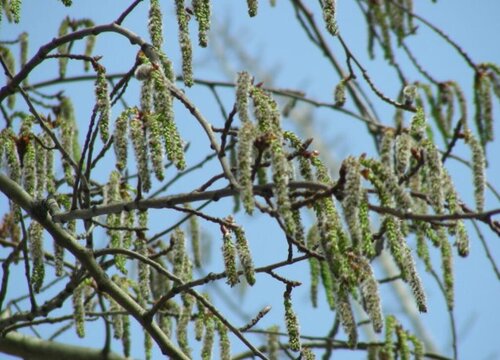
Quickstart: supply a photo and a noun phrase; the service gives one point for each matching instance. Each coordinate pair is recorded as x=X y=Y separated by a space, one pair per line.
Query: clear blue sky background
x=278 y=47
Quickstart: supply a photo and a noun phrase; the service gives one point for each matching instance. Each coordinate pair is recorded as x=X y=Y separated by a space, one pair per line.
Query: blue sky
x=278 y=47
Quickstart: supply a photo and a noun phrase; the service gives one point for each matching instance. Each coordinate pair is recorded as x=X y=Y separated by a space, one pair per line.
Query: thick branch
x=28 y=347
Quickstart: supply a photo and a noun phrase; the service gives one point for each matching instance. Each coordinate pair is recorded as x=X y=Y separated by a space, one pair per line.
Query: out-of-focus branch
x=32 y=348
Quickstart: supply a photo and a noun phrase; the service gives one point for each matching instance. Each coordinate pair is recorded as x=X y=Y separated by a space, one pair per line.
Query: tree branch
x=28 y=347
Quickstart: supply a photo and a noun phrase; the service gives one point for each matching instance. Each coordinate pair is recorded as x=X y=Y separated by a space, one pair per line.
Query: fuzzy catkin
x=329 y=15
x=224 y=343
x=185 y=42
x=292 y=323
x=246 y=136
x=244 y=255
x=229 y=255
x=478 y=169
x=103 y=102
x=35 y=232
x=141 y=153
x=352 y=199
x=155 y=24
x=252 y=7
x=201 y=9
x=79 y=310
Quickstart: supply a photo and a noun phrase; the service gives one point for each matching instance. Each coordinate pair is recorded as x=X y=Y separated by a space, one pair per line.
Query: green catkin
x=229 y=255
x=148 y=346
x=163 y=102
x=381 y=19
x=422 y=248
x=40 y=170
x=304 y=163
x=402 y=152
x=404 y=349
x=154 y=134
x=397 y=244
x=128 y=220
x=199 y=322
x=224 y=343
x=314 y=265
x=116 y=319
x=167 y=323
x=329 y=15
x=182 y=325
x=201 y=9
x=252 y=7
x=79 y=310
x=273 y=343
x=180 y=254
x=11 y=154
x=103 y=102
x=352 y=199
x=292 y=323
x=410 y=93
x=478 y=169
x=390 y=183
x=185 y=42
x=368 y=245
x=435 y=176
x=88 y=292
x=328 y=285
x=246 y=137
x=447 y=265
x=346 y=315
x=195 y=235
x=307 y=354
x=418 y=125
x=114 y=221
x=120 y=138
x=23 y=44
x=299 y=228
x=68 y=136
x=244 y=254
x=418 y=347
x=49 y=164
x=126 y=336
x=388 y=348
x=29 y=167
x=59 y=259
x=208 y=340
x=339 y=96
x=371 y=296
x=484 y=107
x=462 y=241
x=147 y=88
x=268 y=116
x=155 y=24
x=89 y=45
x=63 y=49
x=35 y=232
x=167 y=66
x=386 y=150
x=403 y=258
x=15 y=10
x=141 y=153
x=144 y=270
